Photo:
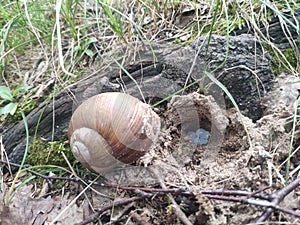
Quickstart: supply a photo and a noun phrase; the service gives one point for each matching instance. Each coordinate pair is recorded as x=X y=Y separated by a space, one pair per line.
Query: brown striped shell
x=112 y=128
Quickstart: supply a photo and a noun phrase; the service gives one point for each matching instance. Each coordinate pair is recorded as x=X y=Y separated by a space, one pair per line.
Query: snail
x=111 y=129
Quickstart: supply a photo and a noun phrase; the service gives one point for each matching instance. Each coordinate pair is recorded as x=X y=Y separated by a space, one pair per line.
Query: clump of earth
x=239 y=154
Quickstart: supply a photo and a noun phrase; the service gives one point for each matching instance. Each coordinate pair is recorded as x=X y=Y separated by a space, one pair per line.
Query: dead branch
x=271 y=201
x=277 y=197
x=178 y=211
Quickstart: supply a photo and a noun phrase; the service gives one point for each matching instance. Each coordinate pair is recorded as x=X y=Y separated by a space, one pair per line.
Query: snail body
x=112 y=128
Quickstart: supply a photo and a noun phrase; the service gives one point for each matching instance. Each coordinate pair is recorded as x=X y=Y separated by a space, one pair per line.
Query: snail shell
x=112 y=128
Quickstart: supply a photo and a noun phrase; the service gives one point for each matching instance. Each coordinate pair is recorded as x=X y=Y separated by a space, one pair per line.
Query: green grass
x=10 y=193
x=26 y=26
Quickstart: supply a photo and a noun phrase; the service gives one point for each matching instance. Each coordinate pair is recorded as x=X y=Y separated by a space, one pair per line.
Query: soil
x=240 y=155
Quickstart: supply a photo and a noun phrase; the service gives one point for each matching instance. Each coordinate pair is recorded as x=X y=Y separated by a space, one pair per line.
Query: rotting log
x=158 y=72
x=278 y=30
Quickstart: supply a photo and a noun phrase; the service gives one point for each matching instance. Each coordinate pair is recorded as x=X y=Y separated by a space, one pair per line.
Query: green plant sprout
x=8 y=104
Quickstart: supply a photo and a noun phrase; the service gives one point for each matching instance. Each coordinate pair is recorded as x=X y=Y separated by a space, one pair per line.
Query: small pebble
x=200 y=137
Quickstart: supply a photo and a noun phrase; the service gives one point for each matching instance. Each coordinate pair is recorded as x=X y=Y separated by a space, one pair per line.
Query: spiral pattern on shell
x=112 y=128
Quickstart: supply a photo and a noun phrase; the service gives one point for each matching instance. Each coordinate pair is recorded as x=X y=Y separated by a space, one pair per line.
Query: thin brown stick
x=100 y=210
x=178 y=211
x=252 y=198
x=277 y=197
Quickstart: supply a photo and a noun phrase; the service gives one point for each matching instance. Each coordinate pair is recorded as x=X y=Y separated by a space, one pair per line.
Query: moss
x=50 y=153
x=278 y=64
x=291 y=57
x=43 y=153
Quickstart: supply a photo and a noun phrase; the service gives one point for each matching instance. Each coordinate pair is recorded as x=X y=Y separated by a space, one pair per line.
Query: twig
x=252 y=198
x=277 y=197
x=178 y=211
x=47 y=178
x=174 y=191
x=100 y=210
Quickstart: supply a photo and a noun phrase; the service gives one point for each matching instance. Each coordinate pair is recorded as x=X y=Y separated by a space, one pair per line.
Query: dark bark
x=278 y=30
x=246 y=74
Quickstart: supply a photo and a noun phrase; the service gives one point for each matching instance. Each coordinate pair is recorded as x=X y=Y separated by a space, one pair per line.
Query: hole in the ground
x=198 y=130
